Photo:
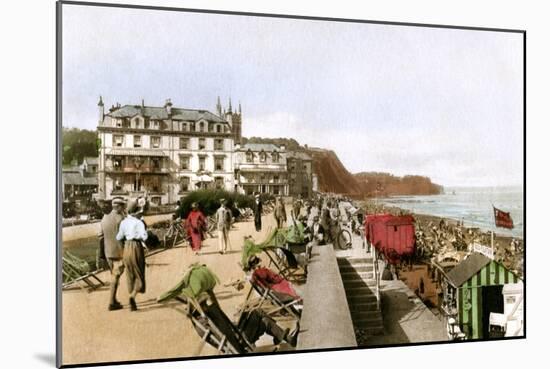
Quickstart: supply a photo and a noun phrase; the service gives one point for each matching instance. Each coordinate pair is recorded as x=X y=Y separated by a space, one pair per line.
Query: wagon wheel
x=167 y=236
x=344 y=239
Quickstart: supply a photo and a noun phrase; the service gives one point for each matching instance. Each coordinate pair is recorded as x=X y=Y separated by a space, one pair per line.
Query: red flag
x=503 y=219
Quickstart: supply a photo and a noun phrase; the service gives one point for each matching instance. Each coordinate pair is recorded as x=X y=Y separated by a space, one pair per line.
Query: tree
x=78 y=143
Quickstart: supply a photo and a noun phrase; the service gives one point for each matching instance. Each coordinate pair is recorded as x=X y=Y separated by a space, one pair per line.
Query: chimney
x=168 y=106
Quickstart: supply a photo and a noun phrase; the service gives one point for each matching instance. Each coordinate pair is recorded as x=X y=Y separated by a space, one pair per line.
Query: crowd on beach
x=440 y=238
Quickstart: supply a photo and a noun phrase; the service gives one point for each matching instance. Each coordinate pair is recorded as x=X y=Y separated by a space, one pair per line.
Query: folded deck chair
x=209 y=320
x=78 y=270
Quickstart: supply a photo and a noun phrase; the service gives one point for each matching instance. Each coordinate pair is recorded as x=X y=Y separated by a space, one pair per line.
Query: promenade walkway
x=91 y=333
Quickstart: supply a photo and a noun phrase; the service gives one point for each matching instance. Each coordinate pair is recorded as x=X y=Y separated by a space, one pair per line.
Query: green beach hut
x=475 y=288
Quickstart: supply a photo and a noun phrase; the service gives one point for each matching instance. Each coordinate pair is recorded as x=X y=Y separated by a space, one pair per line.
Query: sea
x=473 y=205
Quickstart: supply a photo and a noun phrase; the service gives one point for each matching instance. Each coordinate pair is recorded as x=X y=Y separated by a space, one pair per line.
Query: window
x=184 y=126
x=137 y=141
x=202 y=143
x=155 y=124
x=275 y=179
x=184 y=184
x=218 y=163
x=147 y=123
x=155 y=142
x=184 y=143
x=119 y=140
x=184 y=162
x=275 y=157
x=263 y=156
x=218 y=182
x=249 y=156
x=118 y=123
x=117 y=163
x=155 y=163
x=219 y=128
x=202 y=162
x=136 y=123
x=201 y=127
x=117 y=185
x=218 y=144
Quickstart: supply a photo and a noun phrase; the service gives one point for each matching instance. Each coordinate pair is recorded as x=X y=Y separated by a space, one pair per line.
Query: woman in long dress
x=132 y=231
x=195 y=225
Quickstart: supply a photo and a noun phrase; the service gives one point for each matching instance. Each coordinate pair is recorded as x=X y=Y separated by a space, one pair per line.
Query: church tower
x=233 y=118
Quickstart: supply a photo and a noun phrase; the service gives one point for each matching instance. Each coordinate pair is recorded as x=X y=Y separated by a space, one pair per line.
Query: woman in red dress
x=195 y=225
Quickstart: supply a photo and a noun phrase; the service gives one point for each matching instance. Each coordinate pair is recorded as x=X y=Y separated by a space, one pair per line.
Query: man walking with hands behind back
x=223 y=221
x=112 y=249
x=280 y=213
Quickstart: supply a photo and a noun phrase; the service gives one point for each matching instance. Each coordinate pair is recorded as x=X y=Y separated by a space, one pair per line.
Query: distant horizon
x=442 y=103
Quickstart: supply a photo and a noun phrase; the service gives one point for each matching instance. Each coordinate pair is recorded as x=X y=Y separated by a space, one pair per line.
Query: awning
x=136 y=152
x=204 y=178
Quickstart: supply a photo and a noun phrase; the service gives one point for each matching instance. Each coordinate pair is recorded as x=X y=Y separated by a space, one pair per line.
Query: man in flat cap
x=111 y=248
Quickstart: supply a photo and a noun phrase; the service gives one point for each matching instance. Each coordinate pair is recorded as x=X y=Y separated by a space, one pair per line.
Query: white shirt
x=131 y=228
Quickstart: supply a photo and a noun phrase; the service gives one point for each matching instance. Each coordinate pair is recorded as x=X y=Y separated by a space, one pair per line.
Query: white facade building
x=163 y=152
x=261 y=168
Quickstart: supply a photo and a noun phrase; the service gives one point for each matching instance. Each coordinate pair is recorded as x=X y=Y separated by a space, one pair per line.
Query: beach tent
x=474 y=290
x=393 y=236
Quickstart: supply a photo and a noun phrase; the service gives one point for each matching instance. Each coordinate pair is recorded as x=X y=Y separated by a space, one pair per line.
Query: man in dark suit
x=316 y=232
x=258 y=208
x=112 y=249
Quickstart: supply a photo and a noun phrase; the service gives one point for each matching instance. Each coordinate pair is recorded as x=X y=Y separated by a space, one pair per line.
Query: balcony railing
x=132 y=169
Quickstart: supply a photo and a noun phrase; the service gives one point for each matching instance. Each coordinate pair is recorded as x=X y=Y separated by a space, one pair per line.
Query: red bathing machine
x=391 y=235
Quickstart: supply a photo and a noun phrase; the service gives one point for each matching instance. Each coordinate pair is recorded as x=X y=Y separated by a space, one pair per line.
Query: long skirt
x=134 y=263
x=196 y=238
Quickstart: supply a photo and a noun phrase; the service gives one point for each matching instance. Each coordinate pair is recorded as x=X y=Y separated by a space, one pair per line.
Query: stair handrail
x=376 y=276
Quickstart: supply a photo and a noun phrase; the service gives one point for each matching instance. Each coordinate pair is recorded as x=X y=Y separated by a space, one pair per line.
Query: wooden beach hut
x=473 y=290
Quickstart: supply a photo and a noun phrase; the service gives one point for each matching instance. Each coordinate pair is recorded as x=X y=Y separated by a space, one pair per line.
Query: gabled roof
x=91 y=160
x=78 y=179
x=467 y=269
x=260 y=147
x=129 y=111
x=70 y=169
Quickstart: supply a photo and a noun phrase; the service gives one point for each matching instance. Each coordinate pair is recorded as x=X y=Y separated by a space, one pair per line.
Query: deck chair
x=195 y=290
x=279 y=247
x=280 y=301
x=77 y=270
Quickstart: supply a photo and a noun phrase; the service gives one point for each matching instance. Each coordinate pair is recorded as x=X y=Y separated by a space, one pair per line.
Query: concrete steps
x=359 y=283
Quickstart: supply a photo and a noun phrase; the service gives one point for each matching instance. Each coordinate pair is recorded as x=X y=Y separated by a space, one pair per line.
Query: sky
x=443 y=103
